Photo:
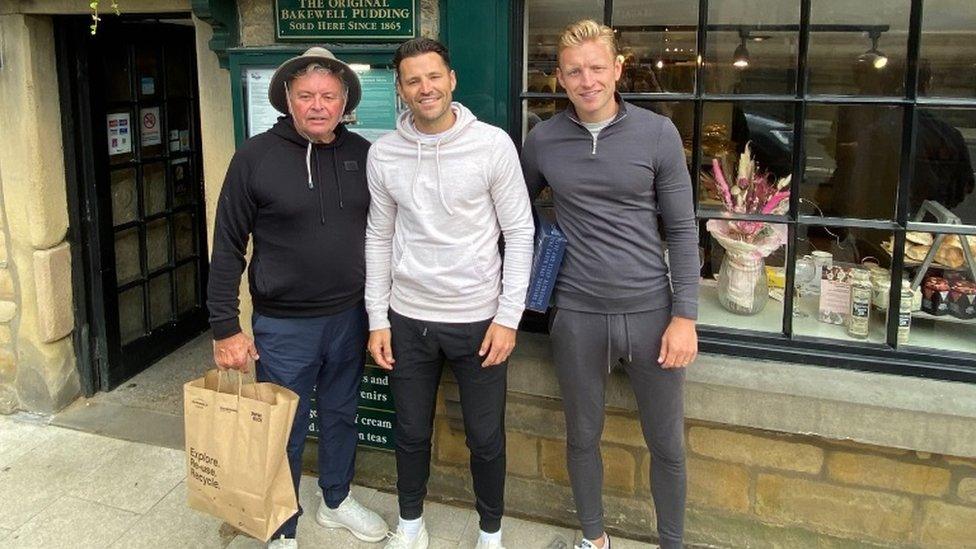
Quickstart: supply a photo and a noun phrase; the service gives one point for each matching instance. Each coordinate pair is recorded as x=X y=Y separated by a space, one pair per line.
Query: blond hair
x=588 y=30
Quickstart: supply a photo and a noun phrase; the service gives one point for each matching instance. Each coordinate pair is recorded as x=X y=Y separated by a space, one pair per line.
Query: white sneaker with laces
x=399 y=540
x=360 y=521
x=482 y=544
x=283 y=543
x=585 y=544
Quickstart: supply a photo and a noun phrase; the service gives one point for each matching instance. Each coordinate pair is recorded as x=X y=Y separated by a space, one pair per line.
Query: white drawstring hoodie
x=438 y=205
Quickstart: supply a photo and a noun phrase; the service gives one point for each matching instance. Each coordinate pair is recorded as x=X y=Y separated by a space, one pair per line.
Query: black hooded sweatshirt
x=306 y=211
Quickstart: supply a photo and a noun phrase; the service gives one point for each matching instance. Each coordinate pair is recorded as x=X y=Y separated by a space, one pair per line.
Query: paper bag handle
x=240 y=380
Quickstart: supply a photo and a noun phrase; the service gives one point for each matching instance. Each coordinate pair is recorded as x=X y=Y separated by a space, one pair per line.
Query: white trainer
x=283 y=543
x=585 y=544
x=482 y=544
x=399 y=540
x=360 y=521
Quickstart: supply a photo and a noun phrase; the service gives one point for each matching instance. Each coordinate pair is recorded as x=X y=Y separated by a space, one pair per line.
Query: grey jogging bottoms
x=584 y=347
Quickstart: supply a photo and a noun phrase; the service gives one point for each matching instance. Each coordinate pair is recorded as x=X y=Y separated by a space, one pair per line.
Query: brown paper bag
x=236 y=436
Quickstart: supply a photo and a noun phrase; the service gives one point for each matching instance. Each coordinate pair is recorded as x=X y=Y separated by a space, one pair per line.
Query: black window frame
x=783 y=346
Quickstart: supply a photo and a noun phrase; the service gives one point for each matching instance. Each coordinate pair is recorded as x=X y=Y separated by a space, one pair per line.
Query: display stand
x=943 y=216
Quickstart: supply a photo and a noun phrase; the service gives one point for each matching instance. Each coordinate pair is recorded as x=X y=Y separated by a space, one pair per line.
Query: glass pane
x=127 y=267
x=184 y=192
x=124 y=196
x=157 y=245
x=752 y=46
x=185 y=234
x=151 y=131
x=858 y=48
x=852 y=161
x=186 y=288
x=131 y=315
x=154 y=187
x=681 y=113
x=828 y=260
x=178 y=125
x=147 y=71
x=945 y=144
x=545 y=21
x=178 y=66
x=116 y=76
x=726 y=129
x=118 y=130
x=738 y=289
x=947 y=60
x=947 y=317
x=160 y=300
x=659 y=44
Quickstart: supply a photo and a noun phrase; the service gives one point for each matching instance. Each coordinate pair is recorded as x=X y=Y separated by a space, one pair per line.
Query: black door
x=136 y=194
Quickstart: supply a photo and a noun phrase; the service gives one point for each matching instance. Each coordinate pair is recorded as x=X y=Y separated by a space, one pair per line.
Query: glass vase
x=742 y=285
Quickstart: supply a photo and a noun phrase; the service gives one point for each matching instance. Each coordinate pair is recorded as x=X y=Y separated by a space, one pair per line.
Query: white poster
x=150 y=126
x=119 y=133
x=260 y=114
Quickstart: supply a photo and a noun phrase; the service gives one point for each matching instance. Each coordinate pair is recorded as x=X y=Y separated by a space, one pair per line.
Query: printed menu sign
x=345 y=19
x=375 y=415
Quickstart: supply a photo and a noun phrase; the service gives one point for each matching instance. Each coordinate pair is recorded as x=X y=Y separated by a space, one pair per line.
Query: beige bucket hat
x=276 y=90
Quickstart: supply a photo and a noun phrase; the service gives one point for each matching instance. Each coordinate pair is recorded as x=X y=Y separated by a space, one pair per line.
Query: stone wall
x=746 y=487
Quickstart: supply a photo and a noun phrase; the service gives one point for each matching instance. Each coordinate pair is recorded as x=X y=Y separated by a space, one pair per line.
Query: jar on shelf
x=859 y=316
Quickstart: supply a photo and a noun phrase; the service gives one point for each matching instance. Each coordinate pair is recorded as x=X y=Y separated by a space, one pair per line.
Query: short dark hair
x=420 y=46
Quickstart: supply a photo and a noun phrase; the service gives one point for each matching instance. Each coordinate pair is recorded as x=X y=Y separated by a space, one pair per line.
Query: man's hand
x=381 y=348
x=679 y=345
x=233 y=352
x=497 y=345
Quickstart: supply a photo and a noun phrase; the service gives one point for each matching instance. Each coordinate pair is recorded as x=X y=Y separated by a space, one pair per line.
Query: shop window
x=945 y=146
x=752 y=47
x=659 y=43
x=858 y=48
x=544 y=22
x=947 y=60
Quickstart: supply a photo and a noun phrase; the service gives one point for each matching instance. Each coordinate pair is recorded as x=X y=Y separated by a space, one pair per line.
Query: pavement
x=110 y=471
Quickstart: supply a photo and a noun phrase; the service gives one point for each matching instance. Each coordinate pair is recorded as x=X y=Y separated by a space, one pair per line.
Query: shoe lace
x=354 y=508
x=397 y=539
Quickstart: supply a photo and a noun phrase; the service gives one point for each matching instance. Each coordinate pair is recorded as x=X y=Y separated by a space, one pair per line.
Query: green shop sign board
x=374 y=416
x=383 y=20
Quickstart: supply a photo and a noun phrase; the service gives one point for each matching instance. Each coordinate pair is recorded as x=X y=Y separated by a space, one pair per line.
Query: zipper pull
x=594 y=145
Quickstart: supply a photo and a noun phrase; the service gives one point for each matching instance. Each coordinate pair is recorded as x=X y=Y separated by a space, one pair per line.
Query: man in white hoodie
x=444 y=187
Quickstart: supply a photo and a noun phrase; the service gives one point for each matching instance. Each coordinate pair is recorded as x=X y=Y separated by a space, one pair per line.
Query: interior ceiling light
x=740 y=59
x=659 y=64
x=873 y=57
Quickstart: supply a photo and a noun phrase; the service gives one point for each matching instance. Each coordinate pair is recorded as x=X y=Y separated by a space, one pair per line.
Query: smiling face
x=425 y=84
x=316 y=101
x=589 y=73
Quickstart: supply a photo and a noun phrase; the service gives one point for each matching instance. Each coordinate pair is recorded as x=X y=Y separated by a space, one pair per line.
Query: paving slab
x=20 y=434
x=72 y=522
x=171 y=523
x=42 y=475
x=122 y=421
x=137 y=478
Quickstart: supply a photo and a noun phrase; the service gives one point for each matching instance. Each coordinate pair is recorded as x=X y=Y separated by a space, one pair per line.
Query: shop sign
x=345 y=19
x=375 y=416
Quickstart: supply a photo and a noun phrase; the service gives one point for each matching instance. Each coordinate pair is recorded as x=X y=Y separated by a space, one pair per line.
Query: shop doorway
x=130 y=115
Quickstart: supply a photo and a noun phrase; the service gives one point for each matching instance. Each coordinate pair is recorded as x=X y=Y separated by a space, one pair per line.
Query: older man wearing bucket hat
x=299 y=192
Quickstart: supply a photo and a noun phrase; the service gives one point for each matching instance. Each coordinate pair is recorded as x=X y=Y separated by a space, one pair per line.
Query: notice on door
x=119 y=133
x=150 y=127
x=260 y=114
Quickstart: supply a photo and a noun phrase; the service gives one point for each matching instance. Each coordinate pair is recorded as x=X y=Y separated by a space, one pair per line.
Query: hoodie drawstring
x=335 y=170
x=308 y=165
x=416 y=178
x=440 y=189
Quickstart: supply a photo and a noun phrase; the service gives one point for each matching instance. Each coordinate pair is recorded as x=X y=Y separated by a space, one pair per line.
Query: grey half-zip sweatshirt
x=609 y=191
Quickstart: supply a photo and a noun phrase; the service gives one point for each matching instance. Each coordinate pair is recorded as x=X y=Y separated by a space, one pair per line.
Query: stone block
x=882 y=472
x=522 y=454
x=450 y=444
x=6 y=336
x=8 y=366
x=718 y=485
x=619 y=468
x=644 y=473
x=945 y=525
x=3 y=247
x=623 y=429
x=534 y=416
x=967 y=489
x=47 y=380
x=6 y=284
x=8 y=309
x=52 y=279
x=552 y=458
x=8 y=400
x=757 y=451
x=836 y=510
x=963 y=462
